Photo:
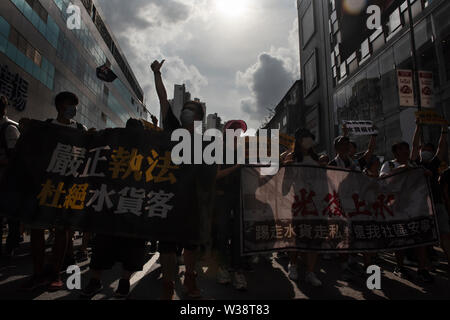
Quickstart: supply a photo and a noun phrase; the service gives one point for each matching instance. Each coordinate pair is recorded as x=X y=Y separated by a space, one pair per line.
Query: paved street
x=268 y=281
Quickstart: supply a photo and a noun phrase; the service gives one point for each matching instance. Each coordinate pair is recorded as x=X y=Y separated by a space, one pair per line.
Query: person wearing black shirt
x=192 y=111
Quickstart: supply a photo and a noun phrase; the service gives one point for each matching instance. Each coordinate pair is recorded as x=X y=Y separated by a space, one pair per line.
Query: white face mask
x=426 y=156
x=307 y=143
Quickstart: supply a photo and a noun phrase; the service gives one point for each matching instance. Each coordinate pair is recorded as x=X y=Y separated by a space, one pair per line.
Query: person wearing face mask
x=305 y=155
x=66 y=107
x=191 y=111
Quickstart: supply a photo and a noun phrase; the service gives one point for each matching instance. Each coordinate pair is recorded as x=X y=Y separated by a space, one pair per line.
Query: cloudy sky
x=239 y=56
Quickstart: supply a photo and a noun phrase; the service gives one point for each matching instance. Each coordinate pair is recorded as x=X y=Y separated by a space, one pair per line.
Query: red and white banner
x=405 y=88
x=319 y=209
x=426 y=88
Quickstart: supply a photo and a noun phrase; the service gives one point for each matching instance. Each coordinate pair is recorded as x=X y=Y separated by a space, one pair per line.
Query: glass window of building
x=402 y=52
x=394 y=21
x=310 y=77
x=388 y=82
x=14 y=37
x=37 y=58
x=423 y=32
x=365 y=49
x=308 y=26
x=416 y=8
x=378 y=43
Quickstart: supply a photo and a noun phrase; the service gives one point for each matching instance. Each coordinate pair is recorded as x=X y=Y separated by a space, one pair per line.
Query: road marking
x=139 y=275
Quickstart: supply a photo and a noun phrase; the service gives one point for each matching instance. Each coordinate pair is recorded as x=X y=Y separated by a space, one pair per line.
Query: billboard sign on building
x=405 y=88
x=426 y=88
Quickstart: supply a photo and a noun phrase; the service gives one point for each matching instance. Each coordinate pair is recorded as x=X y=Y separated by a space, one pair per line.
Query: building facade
x=41 y=56
x=354 y=76
x=290 y=113
x=180 y=97
x=213 y=121
x=315 y=72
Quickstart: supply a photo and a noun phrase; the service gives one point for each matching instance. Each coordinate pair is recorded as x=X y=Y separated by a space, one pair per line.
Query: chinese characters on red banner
x=304 y=205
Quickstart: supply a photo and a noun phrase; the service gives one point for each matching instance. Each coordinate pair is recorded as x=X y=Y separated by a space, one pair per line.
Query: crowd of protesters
x=223 y=234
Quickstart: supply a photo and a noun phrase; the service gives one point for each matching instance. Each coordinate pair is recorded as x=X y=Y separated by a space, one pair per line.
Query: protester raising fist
x=156 y=66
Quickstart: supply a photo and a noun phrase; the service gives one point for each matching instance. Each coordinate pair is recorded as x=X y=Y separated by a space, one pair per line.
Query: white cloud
x=270 y=77
x=204 y=49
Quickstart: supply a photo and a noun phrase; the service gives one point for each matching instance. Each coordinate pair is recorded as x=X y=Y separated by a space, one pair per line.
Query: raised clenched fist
x=156 y=65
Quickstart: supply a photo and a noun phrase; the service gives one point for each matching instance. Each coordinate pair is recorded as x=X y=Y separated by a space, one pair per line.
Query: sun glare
x=231 y=8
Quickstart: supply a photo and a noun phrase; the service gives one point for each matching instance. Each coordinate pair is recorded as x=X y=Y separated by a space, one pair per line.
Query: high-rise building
x=214 y=122
x=204 y=111
x=180 y=97
x=313 y=30
x=289 y=113
x=350 y=67
x=41 y=56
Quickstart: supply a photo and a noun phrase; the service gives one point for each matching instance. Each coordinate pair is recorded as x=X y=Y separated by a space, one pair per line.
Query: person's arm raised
x=443 y=144
x=371 y=148
x=160 y=89
x=416 y=142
